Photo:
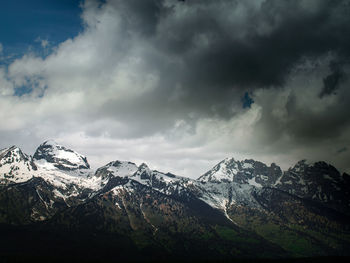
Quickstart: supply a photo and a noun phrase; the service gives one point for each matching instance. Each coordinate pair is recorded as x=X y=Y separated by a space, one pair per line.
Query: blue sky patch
x=20 y=91
x=247 y=101
x=23 y=23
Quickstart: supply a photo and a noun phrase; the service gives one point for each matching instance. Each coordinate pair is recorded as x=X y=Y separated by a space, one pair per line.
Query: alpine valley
x=53 y=206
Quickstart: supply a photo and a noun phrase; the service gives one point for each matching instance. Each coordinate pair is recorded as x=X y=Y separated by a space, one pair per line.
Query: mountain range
x=54 y=206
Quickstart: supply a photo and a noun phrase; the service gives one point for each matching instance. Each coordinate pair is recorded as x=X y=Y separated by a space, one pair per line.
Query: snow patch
x=254 y=183
x=247 y=165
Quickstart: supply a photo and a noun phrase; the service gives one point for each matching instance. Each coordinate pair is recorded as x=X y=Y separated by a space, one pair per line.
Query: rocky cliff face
x=319 y=182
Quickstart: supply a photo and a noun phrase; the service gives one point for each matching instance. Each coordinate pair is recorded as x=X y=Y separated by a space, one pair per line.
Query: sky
x=179 y=85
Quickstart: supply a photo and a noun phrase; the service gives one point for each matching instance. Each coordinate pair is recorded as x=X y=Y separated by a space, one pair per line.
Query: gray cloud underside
x=163 y=81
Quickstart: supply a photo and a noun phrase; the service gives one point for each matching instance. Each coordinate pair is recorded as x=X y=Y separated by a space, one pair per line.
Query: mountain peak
x=223 y=171
x=14 y=152
x=144 y=166
x=143 y=172
x=247 y=171
x=116 y=169
x=15 y=166
x=50 y=142
x=229 y=160
x=51 y=153
x=301 y=165
x=13 y=147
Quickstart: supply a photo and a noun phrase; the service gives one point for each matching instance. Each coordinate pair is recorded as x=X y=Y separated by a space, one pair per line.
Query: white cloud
x=43 y=42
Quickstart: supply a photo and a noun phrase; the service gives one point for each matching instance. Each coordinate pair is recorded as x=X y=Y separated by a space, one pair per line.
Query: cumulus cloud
x=183 y=84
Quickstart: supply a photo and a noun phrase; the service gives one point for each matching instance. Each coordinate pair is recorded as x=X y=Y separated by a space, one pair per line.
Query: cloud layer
x=167 y=82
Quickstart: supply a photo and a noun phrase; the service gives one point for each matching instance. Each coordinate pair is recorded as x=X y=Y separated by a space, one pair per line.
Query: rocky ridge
x=307 y=204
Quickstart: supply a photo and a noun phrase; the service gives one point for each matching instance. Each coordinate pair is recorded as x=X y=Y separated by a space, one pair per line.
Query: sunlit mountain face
x=209 y=130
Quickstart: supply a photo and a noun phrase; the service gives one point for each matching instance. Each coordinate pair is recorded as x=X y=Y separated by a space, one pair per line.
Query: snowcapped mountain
x=233 y=182
x=58 y=176
x=304 y=205
x=308 y=202
x=15 y=166
x=319 y=182
x=166 y=183
x=50 y=154
x=229 y=182
x=243 y=172
x=116 y=168
x=68 y=171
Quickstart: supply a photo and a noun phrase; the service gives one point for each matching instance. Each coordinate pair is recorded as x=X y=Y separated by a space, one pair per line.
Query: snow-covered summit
x=145 y=174
x=224 y=171
x=246 y=171
x=13 y=154
x=15 y=166
x=129 y=174
x=116 y=168
x=51 y=155
x=165 y=183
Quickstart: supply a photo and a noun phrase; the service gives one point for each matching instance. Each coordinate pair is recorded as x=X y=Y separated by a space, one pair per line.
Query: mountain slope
x=237 y=209
x=282 y=208
x=160 y=223
x=28 y=202
x=320 y=182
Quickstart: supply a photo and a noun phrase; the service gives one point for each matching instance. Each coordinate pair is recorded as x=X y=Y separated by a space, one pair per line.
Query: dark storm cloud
x=266 y=59
x=306 y=120
x=342 y=150
x=217 y=50
x=332 y=81
x=140 y=16
x=208 y=54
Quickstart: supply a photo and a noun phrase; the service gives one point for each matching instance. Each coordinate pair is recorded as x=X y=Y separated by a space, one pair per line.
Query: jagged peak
x=142 y=173
x=247 y=171
x=116 y=168
x=228 y=160
x=223 y=171
x=306 y=169
x=60 y=156
x=143 y=167
x=50 y=142
x=14 y=147
x=303 y=162
x=249 y=161
x=11 y=148
x=13 y=151
x=17 y=165
x=232 y=162
x=118 y=163
x=323 y=164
